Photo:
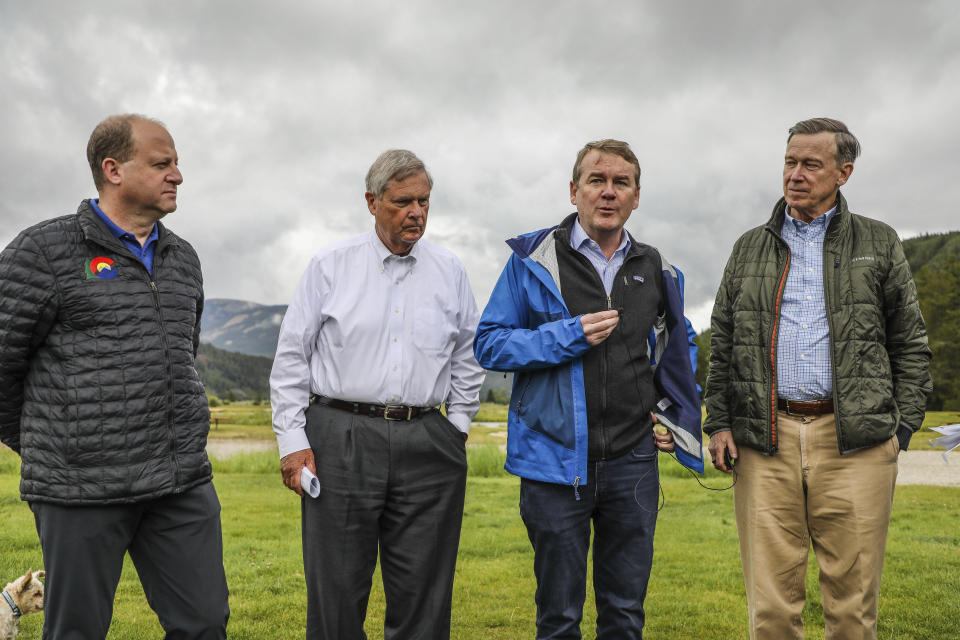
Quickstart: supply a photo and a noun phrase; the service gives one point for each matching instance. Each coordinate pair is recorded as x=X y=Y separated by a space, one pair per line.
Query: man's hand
x=720 y=443
x=598 y=326
x=661 y=436
x=290 y=466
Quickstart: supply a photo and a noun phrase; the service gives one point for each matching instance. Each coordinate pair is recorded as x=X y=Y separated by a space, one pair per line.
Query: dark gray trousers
x=175 y=543
x=396 y=485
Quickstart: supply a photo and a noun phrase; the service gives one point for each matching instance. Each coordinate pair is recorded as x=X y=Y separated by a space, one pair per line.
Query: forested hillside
x=935 y=261
x=233 y=376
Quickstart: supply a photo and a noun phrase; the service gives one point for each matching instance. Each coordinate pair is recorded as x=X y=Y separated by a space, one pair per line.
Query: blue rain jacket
x=526 y=328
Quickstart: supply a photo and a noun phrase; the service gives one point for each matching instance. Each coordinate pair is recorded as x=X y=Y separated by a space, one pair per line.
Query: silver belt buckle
x=388 y=407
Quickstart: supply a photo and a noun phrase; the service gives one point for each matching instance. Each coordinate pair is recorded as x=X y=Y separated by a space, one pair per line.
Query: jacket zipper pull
x=609 y=302
x=576 y=488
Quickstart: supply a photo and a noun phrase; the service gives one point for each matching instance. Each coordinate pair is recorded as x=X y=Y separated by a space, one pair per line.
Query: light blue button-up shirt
x=803 y=344
x=606 y=269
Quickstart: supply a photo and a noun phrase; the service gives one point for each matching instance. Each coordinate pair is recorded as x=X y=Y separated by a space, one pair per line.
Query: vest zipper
x=603 y=392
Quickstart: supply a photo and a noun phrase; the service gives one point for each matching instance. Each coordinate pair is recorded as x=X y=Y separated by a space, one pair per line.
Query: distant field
x=244 y=420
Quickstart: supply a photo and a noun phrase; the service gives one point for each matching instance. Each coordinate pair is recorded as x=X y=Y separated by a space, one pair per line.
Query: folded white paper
x=950 y=439
x=309 y=483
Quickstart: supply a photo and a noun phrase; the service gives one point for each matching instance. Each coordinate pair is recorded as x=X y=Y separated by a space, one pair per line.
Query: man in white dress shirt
x=378 y=335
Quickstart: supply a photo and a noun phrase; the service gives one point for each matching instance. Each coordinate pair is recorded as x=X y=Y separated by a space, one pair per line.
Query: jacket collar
x=524 y=245
x=96 y=231
x=839 y=221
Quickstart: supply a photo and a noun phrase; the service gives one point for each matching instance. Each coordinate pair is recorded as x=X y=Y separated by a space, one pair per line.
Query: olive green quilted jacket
x=878 y=340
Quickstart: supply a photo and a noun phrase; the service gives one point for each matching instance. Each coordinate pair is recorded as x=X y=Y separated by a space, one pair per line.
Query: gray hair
x=848 y=147
x=113 y=138
x=394 y=164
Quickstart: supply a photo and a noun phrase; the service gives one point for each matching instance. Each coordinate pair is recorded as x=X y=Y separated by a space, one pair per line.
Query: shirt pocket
x=434 y=329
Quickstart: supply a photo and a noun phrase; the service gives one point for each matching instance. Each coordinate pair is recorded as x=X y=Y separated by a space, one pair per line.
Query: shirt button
x=811 y=244
x=397 y=282
x=394 y=339
x=809 y=297
x=805 y=326
x=396 y=310
x=394 y=367
x=803 y=357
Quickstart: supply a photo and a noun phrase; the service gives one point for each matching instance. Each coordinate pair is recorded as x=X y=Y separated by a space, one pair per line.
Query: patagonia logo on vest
x=102 y=267
x=638 y=279
x=863 y=259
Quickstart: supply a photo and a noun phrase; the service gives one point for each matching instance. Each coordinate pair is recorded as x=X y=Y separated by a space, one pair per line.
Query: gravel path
x=224 y=448
x=928 y=467
x=916 y=467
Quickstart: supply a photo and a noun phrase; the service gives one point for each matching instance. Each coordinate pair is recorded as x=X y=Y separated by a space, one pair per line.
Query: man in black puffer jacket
x=99 y=328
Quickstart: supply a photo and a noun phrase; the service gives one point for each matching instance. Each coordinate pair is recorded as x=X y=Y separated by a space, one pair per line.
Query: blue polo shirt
x=143 y=253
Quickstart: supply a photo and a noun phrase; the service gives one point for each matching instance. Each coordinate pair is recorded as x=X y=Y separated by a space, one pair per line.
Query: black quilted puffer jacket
x=98 y=390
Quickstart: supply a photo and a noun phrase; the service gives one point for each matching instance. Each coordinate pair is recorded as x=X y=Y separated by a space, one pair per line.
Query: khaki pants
x=808 y=493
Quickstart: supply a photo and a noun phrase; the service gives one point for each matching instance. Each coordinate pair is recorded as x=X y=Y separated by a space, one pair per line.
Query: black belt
x=806 y=407
x=385 y=411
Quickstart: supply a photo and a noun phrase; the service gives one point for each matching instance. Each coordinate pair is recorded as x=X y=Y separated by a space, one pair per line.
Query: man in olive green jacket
x=819 y=372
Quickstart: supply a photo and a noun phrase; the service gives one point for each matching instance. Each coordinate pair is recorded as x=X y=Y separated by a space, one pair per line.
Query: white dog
x=22 y=596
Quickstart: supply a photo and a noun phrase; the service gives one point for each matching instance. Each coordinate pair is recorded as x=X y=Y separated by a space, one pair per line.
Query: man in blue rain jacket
x=571 y=315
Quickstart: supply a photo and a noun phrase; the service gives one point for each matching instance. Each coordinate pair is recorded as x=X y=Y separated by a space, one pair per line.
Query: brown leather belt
x=385 y=411
x=807 y=407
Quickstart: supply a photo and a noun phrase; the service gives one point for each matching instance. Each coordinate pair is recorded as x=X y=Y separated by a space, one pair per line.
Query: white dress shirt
x=366 y=325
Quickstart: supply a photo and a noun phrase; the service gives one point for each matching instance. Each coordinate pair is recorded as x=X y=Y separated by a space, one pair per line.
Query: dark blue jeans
x=621 y=501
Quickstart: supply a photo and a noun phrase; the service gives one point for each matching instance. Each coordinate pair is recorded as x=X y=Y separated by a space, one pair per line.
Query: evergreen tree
x=939 y=292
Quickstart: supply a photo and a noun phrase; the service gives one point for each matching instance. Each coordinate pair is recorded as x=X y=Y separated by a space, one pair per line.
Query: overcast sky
x=278 y=108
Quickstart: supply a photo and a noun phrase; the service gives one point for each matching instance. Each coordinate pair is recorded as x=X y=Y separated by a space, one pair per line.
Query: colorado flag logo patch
x=101 y=267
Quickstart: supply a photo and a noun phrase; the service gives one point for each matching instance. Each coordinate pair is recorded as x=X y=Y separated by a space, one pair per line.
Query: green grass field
x=696 y=590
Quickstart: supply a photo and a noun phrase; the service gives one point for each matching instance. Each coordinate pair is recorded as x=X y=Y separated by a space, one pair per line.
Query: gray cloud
x=278 y=108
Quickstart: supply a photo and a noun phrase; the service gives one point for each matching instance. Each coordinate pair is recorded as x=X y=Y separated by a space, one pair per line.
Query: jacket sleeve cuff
x=460 y=420
x=291 y=441
x=710 y=431
x=903 y=435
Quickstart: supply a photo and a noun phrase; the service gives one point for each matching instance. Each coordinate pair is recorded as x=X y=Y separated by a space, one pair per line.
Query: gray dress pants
x=397 y=486
x=175 y=543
